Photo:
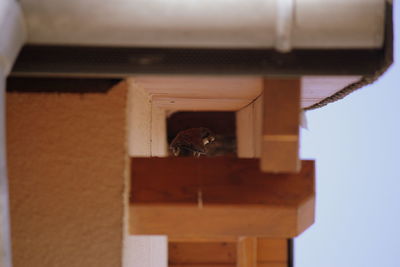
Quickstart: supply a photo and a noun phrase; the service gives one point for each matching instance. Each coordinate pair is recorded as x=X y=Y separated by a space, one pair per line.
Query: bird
x=192 y=142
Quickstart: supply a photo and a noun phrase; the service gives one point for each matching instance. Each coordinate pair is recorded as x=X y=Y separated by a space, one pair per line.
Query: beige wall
x=66 y=164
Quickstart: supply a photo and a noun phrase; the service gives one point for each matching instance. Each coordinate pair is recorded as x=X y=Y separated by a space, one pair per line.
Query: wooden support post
x=272 y=252
x=146 y=138
x=248 y=129
x=242 y=252
x=281 y=119
x=247 y=252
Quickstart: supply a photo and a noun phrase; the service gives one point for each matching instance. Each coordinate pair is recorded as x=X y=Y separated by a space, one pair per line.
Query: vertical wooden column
x=247 y=252
x=249 y=129
x=146 y=138
x=272 y=252
x=262 y=252
x=281 y=119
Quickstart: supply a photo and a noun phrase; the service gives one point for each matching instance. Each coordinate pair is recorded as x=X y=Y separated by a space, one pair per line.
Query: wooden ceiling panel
x=225 y=87
x=229 y=93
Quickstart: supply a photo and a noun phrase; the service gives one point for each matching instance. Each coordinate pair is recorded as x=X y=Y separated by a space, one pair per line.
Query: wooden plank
x=249 y=129
x=139 y=120
x=222 y=180
x=245 y=132
x=201 y=253
x=258 y=124
x=272 y=250
x=146 y=137
x=281 y=120
x=316 y=88
x=306 y=208
x=158 y=141
x=165 y=198
x=202 y=86
x=273 y=264
x=200 y=104
x=247 y=252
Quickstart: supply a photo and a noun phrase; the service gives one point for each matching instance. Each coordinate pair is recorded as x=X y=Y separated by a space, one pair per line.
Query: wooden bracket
x=218 y=198
x=281 y=120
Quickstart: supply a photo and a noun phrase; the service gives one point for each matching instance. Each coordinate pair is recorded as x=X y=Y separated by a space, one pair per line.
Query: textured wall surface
x=66 y=171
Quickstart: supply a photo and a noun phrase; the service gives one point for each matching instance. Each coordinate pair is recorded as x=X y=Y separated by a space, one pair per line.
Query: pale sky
x=356 y=144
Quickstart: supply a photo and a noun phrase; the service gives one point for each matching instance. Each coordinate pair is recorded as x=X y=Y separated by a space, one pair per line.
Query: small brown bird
x=192 y=141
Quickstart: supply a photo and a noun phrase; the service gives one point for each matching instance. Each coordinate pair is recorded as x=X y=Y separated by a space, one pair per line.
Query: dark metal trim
x=119 y=62
x=290 y=247
x=59 y=85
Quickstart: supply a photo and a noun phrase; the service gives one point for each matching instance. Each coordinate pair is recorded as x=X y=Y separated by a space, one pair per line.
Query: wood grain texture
x=272 y=264
x=197 y=86
x=146 y=137
x=237 y=199
x=245 y=132
x=247 y=252
x=281 y=120
x=158 y=141
x=258 y=124
x=243 y=252
x=229 y=181
x=228 y=93
x=274 y=250
x=200 y=104
x=139 y=120
x=202 y=253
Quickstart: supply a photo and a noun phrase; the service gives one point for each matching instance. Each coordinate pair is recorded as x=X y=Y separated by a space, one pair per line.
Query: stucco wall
x=66 y=164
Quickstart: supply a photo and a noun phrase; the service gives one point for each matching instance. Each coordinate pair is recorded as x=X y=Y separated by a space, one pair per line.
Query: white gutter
x=12 y=36
x=281 y=24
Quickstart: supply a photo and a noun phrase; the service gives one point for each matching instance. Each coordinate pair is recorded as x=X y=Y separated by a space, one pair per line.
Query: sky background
x=356 y=144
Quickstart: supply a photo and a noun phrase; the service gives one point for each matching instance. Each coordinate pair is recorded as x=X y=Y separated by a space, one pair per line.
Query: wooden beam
x=187 y=198
x=281 y=120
